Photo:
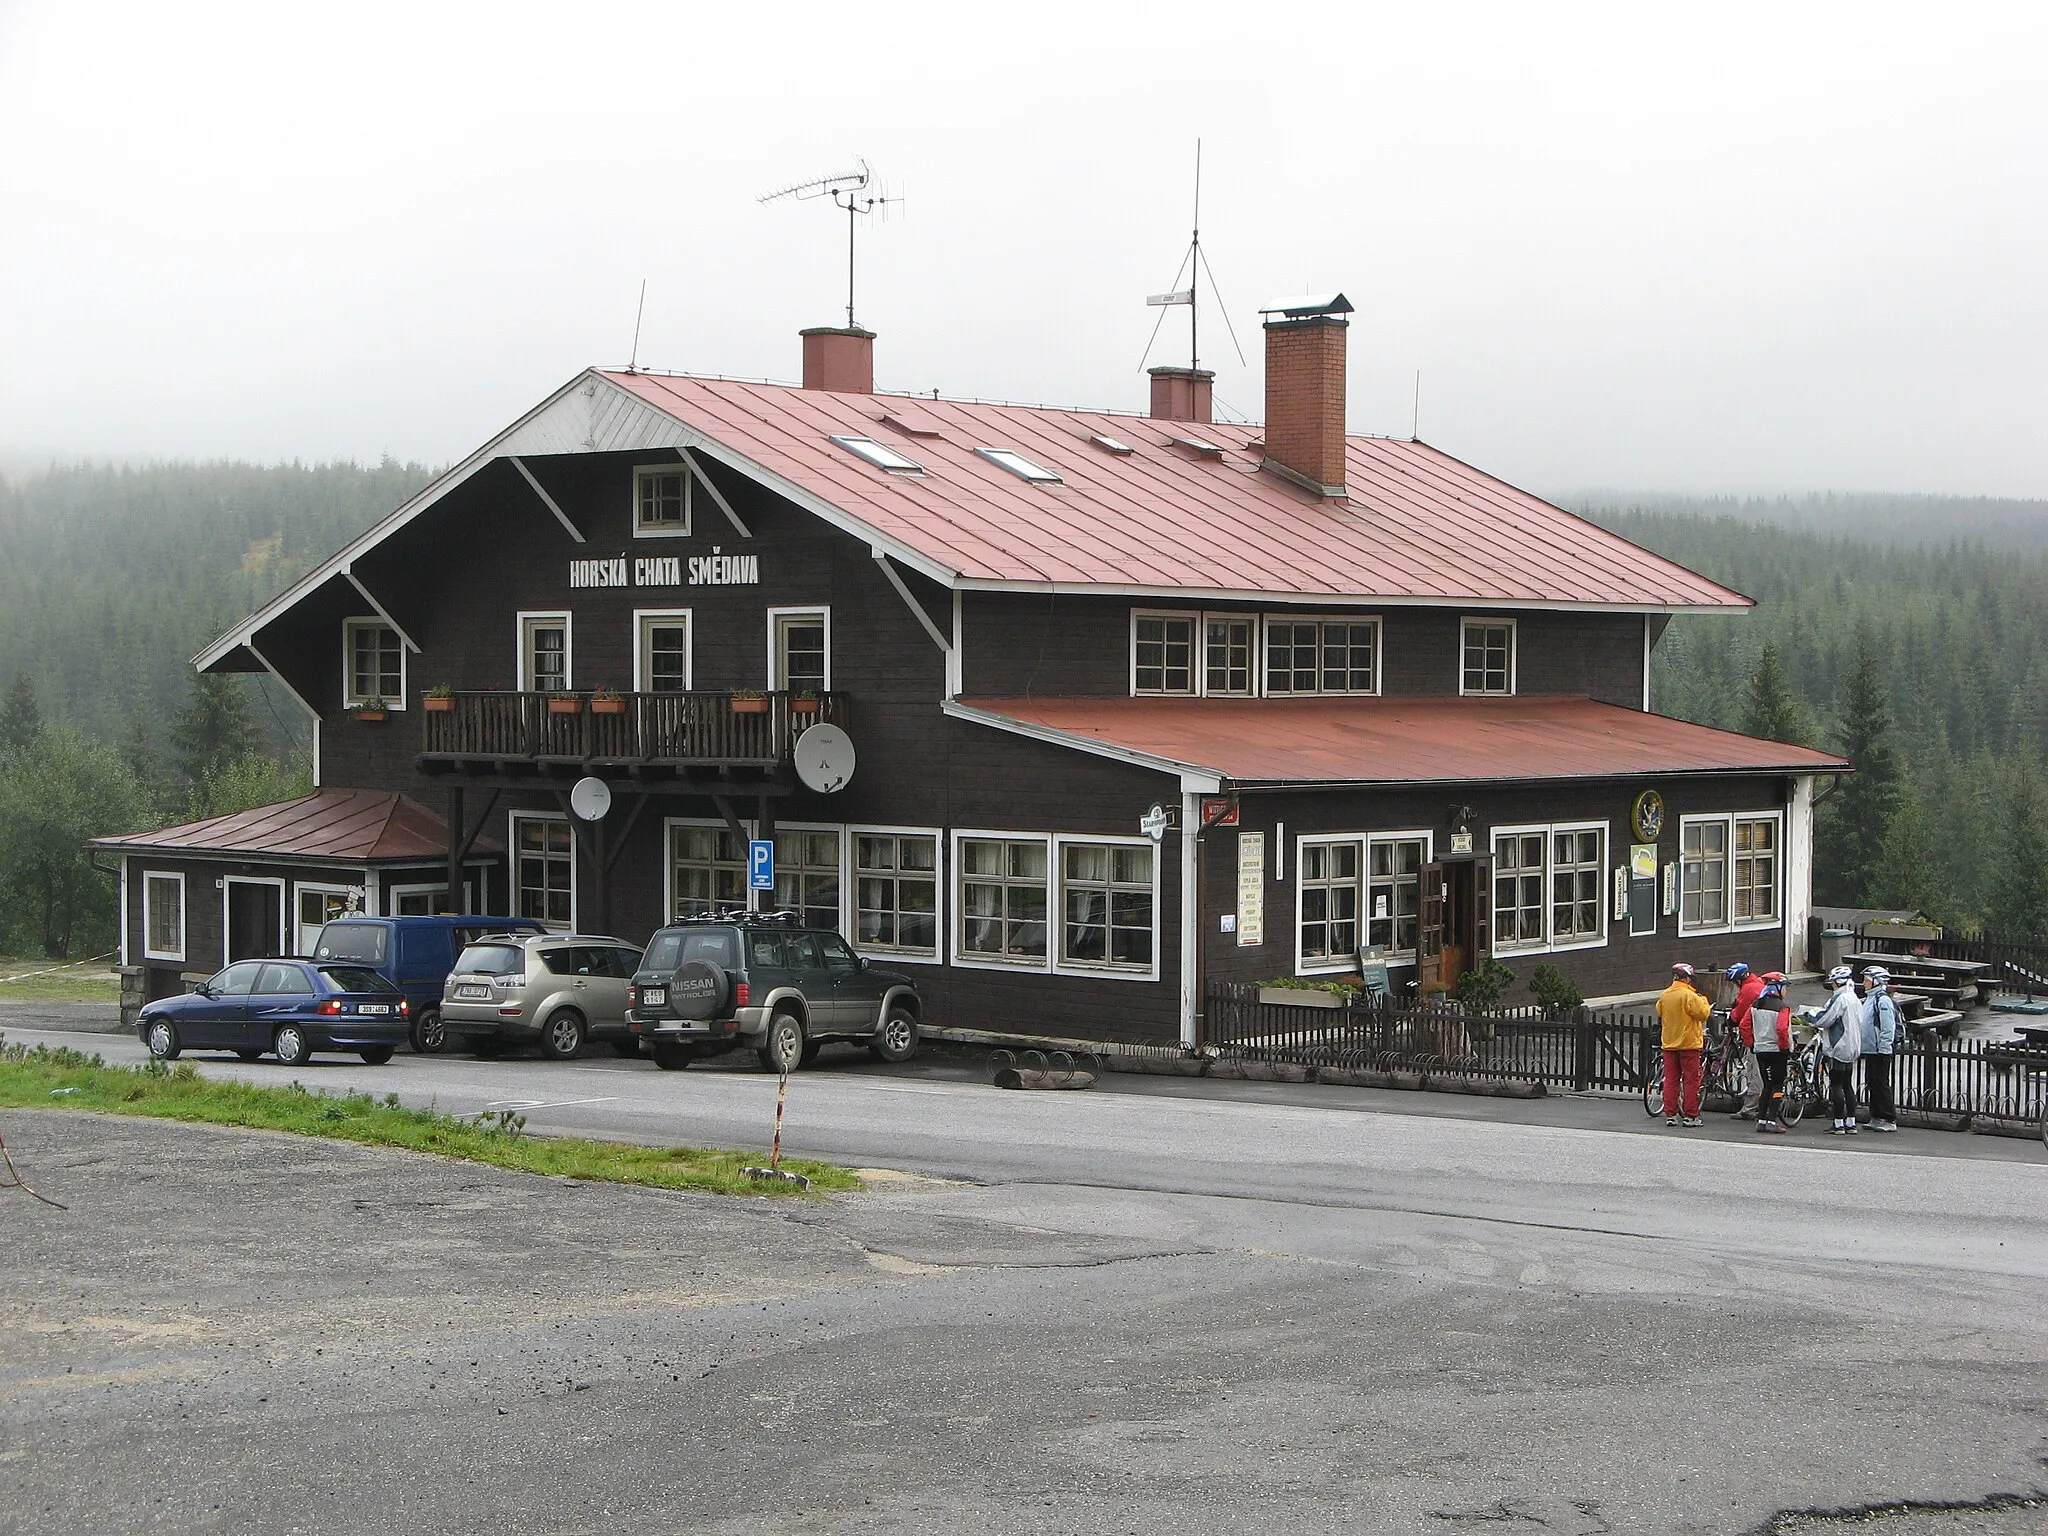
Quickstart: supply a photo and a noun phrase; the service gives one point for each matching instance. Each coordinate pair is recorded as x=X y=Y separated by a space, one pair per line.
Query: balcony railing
x=678 y=729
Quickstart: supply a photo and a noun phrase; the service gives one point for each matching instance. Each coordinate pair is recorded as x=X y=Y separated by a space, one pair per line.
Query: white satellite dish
x=824 y=759
x=591 y=799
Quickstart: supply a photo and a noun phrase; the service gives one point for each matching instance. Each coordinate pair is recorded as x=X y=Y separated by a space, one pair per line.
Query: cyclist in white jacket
x=1840 y=1027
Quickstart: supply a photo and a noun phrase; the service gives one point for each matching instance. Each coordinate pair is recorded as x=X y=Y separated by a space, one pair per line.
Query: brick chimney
x=839 y=358
x=1305 y=391
x=1182 y=394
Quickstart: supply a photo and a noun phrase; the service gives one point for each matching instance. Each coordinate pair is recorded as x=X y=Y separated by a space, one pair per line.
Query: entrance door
x=255 y=919
x=802 y=654
x=1455 y=933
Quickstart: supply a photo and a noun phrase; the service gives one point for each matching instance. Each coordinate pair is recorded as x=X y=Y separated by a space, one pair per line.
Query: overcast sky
x=1708 y=247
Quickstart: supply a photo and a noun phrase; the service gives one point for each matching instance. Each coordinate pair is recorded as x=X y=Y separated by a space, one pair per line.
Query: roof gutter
x=1282 y=786
x=1328 y=599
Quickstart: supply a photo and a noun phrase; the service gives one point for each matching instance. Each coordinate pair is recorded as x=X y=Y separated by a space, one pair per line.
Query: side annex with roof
x=1386 y=701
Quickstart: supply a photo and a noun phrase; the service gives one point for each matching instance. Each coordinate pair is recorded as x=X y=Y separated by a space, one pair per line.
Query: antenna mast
x=848 y=190
x=1196 y=265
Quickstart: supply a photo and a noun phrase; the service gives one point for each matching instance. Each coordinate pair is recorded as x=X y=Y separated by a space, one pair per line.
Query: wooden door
x=1429 y=940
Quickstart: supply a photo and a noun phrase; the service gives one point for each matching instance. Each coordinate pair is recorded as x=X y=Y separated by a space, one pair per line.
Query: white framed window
x=427 y=899
x=373 y=663
x=808 y=879
x=1163 y=652
x=316 y=906
x=1230 y=644
x=1322 y=655
x=800 y=649
x=543 y=868
x=707 y=868
x=1549 y=886
x=163 y=916
x=1729 y=874
x=1486 y=662
x=1109 y=906
x=662 y=659
x=661 y=501
x=544 y=653
x=1002 y=893
x=896 y=892
x=1327 y=898
x=1393 y=890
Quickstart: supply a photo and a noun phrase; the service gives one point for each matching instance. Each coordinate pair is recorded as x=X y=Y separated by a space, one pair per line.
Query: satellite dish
x=591 y=799
x=824 y=759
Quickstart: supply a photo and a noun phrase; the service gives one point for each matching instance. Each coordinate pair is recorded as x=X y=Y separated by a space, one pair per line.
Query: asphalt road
x=1157 y=1306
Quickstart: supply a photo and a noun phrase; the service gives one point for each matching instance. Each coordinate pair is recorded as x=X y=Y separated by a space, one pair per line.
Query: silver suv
x=559 y=990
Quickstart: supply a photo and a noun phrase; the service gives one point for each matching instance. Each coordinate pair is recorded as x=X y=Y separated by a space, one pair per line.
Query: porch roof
x=1303 y=742
x=353 y=826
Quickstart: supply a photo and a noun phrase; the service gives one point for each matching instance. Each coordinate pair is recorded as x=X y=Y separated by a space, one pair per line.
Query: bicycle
x=1806 y=1082
x=1721 y=1071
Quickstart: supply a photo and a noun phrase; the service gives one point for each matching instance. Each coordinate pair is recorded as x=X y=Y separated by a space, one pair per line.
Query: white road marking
x=541 y=1103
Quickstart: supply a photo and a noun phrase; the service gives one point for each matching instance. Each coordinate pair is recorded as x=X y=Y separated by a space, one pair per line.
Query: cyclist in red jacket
x=1749 y=987
x=1767 y=1031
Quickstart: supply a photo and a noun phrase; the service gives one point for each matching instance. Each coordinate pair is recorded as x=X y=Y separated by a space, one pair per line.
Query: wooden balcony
x=519 y=733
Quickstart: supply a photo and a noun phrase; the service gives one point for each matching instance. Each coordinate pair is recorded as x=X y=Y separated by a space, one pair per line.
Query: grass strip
x=56 y=1077
x=51 y=981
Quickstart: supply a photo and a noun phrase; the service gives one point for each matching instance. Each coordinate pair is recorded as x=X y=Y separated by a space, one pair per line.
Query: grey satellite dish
x=824 y=759
x=591 y=799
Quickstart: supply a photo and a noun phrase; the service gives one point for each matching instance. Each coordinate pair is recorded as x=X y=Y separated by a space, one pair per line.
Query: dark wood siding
x=1624 y=964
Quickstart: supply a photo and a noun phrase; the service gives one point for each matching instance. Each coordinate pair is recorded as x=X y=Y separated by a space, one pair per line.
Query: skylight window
x=1200 y=445
x=1112 y=445
x=1018 y=465
x=882 y=458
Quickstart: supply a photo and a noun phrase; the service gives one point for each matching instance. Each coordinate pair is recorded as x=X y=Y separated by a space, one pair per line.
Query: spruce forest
x=1910 y=632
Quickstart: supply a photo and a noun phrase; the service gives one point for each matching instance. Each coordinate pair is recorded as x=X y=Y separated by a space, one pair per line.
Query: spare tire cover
x=699 y=990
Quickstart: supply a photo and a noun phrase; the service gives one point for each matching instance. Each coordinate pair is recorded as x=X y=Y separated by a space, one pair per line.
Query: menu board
x=1251 y=888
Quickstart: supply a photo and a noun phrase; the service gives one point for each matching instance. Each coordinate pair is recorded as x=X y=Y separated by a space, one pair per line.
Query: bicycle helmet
x=1772 y=988
x=1841 y=976
x=1737 y=970
x=1682 y=969
x=1877 y=975
x=1774 y=978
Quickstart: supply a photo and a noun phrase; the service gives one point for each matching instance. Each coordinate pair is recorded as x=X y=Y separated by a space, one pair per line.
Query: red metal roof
x=345 y=825
x=1419 y=526
x=1403 y=741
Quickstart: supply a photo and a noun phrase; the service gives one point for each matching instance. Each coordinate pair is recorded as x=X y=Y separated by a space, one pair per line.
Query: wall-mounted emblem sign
x=1647 y=817
x=716 y=569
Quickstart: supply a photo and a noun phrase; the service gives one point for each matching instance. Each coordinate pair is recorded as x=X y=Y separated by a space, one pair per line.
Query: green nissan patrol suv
x=764 y=981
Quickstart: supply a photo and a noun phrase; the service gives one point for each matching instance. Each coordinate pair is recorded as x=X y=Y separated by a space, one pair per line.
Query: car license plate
x=373 y=1008
x=654 y=994
x=480 y=994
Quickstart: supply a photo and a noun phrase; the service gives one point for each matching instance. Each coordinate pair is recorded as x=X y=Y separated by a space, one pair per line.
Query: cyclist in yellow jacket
x=1684 y=1010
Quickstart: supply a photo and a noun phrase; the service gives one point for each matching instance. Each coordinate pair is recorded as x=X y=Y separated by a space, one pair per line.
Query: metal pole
x=775 y=1146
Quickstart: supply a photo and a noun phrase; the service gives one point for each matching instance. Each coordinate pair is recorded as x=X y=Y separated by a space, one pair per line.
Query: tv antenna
x=855 y=191
x=1196 y=266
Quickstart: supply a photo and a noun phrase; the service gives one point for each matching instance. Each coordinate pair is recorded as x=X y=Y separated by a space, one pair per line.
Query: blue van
x=414 y=954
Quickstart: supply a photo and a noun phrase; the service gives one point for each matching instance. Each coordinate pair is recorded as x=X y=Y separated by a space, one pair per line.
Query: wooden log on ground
x=1158 y=1066
x=1026 y=1077
x=1933 y=1120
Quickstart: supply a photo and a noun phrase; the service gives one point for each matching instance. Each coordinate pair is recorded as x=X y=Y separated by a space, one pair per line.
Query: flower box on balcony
x=749 y=704
x=565 y=704
x=438 y=703
x=804 y=704
x=607 y=706
x=368 y=716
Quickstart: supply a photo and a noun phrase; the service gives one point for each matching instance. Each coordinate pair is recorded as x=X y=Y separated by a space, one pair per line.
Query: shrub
x=1481 y=990
x=1557 y=992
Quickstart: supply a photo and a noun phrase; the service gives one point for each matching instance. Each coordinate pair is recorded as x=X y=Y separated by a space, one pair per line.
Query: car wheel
x=673 y=1058
x=629 y=1046
x=563 y=1037
x=292 y=1046
x=782 y=1049
x=377 y=1055
x=163 y=1040
x=896 y=1040
x=250 y=1055
x=429 y=1033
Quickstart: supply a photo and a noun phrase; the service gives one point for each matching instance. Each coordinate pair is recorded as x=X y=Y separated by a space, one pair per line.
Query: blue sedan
x=290 y=1008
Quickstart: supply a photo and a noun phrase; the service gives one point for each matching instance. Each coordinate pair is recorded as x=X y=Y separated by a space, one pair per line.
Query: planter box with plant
x=438 y=700
x=370 y=711
x=607 y=701
x=805 y=703
x=565 y=703
x=750 y=703
x=1306 y=994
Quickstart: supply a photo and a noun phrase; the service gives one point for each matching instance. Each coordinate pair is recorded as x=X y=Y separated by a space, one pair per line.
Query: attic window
x=1111 y=445
x=1017 y=464
x=882 y=458
x=1205 y=448
x=911 y=424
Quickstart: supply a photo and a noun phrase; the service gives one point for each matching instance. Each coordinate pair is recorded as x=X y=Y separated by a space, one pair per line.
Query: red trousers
x=1682 y=1080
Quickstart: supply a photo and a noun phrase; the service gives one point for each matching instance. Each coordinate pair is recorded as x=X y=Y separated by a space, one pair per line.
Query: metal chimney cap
x=1308 y=306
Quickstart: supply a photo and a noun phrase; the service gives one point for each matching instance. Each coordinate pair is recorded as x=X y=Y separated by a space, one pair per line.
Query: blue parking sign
x=760 y=866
